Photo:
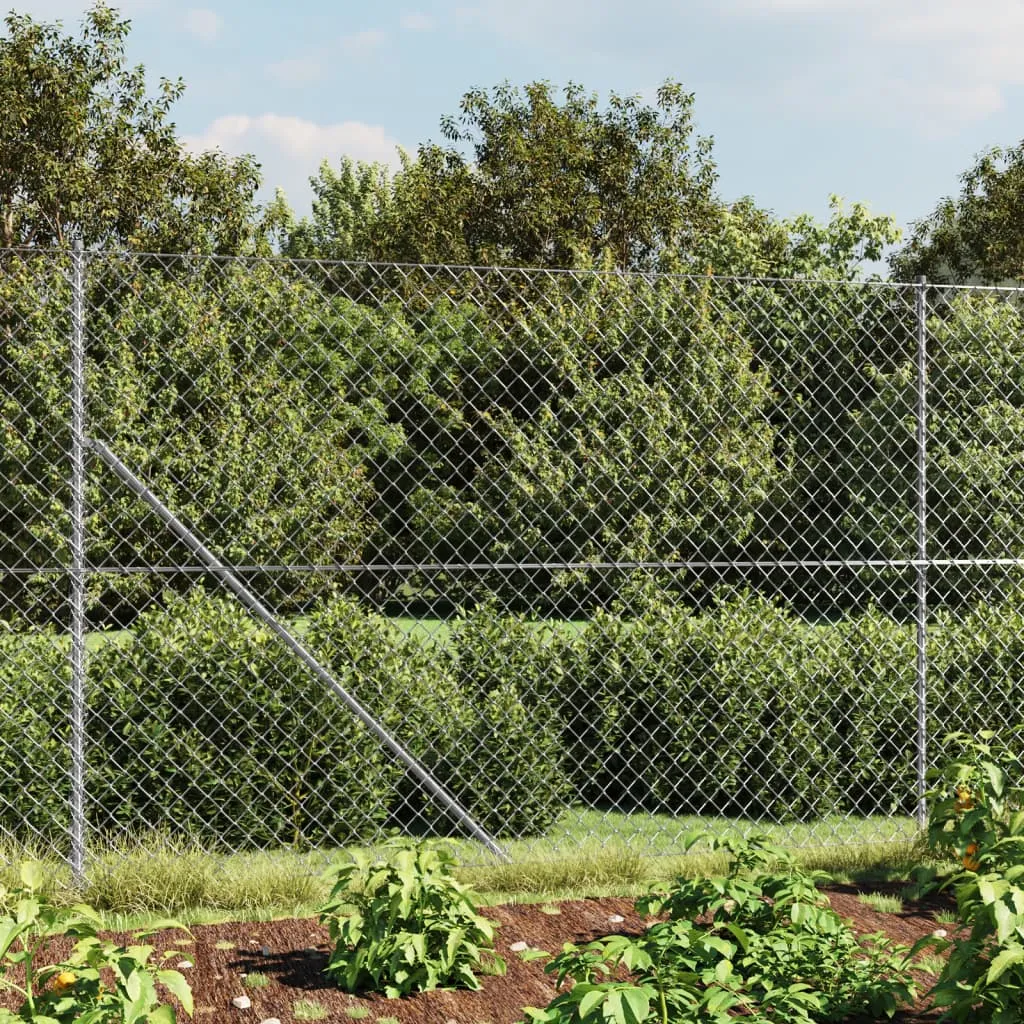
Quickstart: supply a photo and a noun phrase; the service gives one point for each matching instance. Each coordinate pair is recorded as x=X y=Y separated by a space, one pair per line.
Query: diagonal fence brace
x=256 y=607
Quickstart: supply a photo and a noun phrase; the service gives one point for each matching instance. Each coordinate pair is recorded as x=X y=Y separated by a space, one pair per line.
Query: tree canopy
x=84 y=150
x=530 y=178
x=977 y=237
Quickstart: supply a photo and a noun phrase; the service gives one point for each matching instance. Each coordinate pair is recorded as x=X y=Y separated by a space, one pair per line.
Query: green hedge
x=205 y=717
x=198 y=717
x=743 y=710
x=35 y=735
x=472 y=711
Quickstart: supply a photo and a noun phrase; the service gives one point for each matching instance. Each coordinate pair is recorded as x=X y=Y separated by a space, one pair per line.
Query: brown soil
x=292 y=953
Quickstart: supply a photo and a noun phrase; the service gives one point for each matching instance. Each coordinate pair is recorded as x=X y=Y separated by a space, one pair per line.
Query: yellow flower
x=64 y=981
x=969 y=860
x=964 y=799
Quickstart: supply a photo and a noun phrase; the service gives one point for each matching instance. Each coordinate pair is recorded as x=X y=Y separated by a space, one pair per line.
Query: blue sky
x=883 y=101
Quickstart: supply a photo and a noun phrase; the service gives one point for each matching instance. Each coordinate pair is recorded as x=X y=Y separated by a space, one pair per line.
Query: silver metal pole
x=78 y=624
x=257 y=608
x=922 y=549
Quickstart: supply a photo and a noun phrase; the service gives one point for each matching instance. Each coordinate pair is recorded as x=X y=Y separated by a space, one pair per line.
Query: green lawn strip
x=586 y=854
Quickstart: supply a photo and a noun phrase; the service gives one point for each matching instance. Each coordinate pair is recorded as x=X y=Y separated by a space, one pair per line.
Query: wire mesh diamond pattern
x=536 y=558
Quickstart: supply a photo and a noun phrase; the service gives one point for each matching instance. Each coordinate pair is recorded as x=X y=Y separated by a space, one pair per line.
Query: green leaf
x=996 y=778
x=31 y=874
x=1003 y=961
x=627 y=1005
x=175 y=982
x=591 y=1001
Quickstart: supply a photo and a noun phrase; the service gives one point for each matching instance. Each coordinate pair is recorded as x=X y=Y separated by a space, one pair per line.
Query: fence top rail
x=479 y=269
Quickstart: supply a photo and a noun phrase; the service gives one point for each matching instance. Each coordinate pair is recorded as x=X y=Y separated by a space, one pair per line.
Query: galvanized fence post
x=78 y=581
x=922 y=549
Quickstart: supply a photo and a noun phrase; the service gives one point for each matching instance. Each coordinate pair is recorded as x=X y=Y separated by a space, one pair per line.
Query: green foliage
x=975 y=238
x=84 y=150
x=74 y=990
x=977 y=672
x=753 y=243
x=867 y=707
x=728 y=711
x=35 y=730
x=486 y=732
x=976 y=809
x=35 y=414
x=249 y=405
x=350 y=206
x=975 y=429
x=976 y=813
x=739 y=708
x=547 y=183
x=403 y=924
x=500 y=751
x=768 y=946
x=636 y=431
x=212 y=728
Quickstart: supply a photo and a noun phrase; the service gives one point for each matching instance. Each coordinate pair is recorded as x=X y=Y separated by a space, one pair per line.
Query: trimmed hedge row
x=200 y=720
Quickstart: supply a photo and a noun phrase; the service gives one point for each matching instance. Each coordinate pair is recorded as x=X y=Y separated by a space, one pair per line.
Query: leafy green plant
x=760 y=942
x=256 y=980
x=72 y=991
x=276 y=776
x=976 y=814
x=975 y=811
x=402 y=923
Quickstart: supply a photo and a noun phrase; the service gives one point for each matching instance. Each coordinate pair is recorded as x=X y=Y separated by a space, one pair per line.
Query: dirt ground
x=291 y=955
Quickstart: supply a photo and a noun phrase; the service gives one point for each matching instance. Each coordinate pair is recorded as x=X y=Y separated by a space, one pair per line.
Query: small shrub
x=403 y=924
x=72 y=990
x=701 y=714
x=976 y=815
x=772 y=948
x=308 y=1009
x=35 y=731
x=499 y=746
x=212 y=728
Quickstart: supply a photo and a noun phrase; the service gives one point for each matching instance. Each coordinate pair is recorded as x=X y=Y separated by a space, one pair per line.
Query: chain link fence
x=296 y=553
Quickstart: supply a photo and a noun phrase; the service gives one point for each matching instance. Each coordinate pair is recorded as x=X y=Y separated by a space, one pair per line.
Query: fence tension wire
x=256 y=607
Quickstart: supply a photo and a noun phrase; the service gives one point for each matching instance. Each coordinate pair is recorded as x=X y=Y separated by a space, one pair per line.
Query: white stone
x=518 y=947
x=270 y=1020
x=241 y=1002
x=940 y=933
x=184 y=965
x=616 y=919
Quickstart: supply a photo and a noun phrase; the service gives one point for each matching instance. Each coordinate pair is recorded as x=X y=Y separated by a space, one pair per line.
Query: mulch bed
x=292 y=954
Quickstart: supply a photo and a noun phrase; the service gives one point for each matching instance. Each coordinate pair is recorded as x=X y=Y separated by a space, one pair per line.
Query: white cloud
x=415 y=21
x=203 y=23
x=297 y=72
x=362 y=44
x=937 y=65
x=290 y=149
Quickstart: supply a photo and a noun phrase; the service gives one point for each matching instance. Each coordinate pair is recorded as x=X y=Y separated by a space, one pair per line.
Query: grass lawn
x=587 y=853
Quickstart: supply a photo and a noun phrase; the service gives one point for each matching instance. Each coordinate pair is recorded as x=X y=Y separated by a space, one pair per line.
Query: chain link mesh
x=601 y=552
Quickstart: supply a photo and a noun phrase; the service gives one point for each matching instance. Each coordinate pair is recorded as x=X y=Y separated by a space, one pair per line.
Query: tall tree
x=977 y=237
x=547 y=181
x=84 y=150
